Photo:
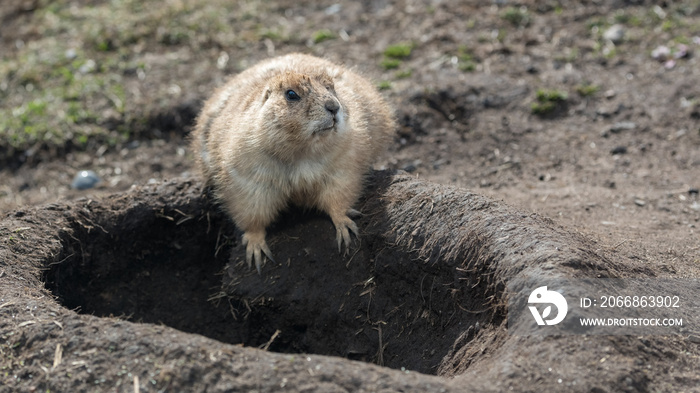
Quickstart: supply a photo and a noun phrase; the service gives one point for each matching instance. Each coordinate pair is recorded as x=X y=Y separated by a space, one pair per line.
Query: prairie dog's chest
x=306 y=173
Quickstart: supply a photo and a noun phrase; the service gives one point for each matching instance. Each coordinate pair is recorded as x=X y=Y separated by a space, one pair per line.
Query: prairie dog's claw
x=354 y=213
x=343 y=227
x=256 y=249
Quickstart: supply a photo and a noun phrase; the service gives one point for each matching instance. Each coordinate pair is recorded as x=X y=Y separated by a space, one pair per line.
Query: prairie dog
x=291 y=129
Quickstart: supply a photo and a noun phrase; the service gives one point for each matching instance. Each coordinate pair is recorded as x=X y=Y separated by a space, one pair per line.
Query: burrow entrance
x=166 y=258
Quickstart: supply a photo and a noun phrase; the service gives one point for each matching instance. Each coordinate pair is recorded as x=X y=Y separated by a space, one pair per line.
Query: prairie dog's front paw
x=343 y=226
x=256 y=249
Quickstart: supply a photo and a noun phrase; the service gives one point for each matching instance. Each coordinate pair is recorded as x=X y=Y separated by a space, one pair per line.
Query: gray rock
x=619 y=150
x=621 y=126
x=615 y=34
x=84 y=180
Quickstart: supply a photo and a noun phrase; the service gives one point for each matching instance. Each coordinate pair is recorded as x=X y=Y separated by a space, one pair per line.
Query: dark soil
x=421 y=292
x=132 y=281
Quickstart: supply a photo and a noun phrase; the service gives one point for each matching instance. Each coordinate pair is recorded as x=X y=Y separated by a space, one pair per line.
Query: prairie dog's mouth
x=326 y=126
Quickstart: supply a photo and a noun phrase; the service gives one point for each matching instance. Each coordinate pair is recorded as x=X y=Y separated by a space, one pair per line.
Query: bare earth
x=613 y=172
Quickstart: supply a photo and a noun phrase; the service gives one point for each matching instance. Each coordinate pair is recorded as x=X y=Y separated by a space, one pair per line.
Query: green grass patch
x=517 y=16
x=587 y=89
x=69 y=84
x=544 y=95
x=398 y=51
x=548 y=101
x=322 y=35
x=271 y=34
x=466 y=61
x=403 y=74
x=543 y=108
x=467 y=66
x=390 y=64
x=384 y=85
x=627 y=18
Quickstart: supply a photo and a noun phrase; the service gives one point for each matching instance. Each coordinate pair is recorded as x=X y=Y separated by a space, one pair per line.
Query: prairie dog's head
x=302 y=108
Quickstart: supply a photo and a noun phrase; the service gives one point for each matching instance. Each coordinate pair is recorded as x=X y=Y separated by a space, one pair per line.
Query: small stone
x=619 y=150
x=71 y=54
x=439 y=163
x=681 y=51
x=615 y=33
x=333 y=9
x=622 y=126
x=639 y=202
x=693 y=191
x=87 y=67
x=85 y=180
x=409 y=168
x=661 y=53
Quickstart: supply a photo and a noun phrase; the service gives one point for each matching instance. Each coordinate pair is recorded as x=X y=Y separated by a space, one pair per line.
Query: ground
x=531 y=104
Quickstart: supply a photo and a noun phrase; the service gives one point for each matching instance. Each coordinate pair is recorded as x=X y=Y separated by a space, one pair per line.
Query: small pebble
x=661 y=53
x=681 y=51
x=619 y=150
x=409 y=168
x=71 y=54
x=615 y=33
x=693 y=191
x=84 y=180
x=333 y=9
x=621 y=126
x=639 y=202
x=439 y=163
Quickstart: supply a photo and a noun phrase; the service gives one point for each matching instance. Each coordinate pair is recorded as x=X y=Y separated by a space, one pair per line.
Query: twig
x=269 y=342
x=58 y=356
x=380 y=351
x=61 y=261
x=620 y=243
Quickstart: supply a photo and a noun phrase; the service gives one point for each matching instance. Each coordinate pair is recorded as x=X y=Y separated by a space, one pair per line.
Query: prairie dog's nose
x=332 y=106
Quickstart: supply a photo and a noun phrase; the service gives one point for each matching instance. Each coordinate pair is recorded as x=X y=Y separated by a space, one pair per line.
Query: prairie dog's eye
x=292 y=95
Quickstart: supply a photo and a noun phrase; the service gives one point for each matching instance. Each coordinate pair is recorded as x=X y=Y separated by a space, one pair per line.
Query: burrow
x=408 y=293
x=180 y=263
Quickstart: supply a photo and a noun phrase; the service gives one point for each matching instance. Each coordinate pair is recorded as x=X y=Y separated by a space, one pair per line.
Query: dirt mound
x=138 y=288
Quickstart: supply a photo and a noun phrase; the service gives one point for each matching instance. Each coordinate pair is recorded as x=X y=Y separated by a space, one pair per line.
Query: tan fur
x=259 y=151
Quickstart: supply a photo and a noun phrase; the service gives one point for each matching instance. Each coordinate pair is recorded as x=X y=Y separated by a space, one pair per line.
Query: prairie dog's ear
x=268 y=91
